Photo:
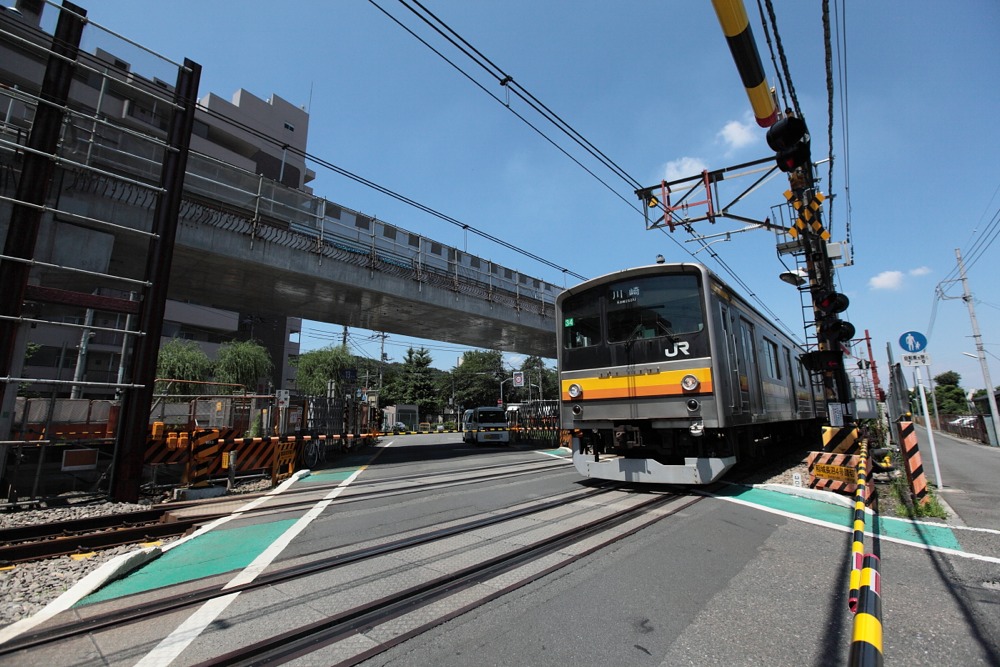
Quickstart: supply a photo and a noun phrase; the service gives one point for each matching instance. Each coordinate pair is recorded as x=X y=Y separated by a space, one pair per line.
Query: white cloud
x=683 y=168
x=887 y=280
x=737 y=135
x=920 y=271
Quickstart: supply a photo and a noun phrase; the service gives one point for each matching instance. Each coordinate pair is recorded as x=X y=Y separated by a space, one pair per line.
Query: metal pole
x=81 y=356
x=980 y=350
x=134 y=422
x=930 y=432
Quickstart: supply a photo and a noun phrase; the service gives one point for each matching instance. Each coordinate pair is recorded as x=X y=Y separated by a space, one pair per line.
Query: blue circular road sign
x=913 y=341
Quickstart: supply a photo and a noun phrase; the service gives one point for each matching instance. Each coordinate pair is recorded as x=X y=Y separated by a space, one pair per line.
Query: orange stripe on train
x=639 y=386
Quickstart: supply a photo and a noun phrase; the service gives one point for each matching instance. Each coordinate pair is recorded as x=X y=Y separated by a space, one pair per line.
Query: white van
x=485 y=424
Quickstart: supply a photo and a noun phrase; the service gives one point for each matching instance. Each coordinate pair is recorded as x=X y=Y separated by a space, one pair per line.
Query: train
x=668 y=376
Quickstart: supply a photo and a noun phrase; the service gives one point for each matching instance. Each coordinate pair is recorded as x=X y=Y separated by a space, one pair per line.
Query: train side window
x=770 y=353
x=788 y=363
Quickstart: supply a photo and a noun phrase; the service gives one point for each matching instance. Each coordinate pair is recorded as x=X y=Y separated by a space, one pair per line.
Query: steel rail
x=142 y=611
x=307 y=639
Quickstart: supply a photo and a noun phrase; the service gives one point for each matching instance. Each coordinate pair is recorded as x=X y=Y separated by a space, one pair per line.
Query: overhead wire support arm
x=706 y=179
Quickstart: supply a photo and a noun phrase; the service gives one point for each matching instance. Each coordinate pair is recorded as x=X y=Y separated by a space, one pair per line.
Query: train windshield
x=656 y=306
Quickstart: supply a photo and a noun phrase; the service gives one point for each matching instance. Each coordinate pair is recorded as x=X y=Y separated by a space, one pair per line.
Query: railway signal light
x=839 y=330
x=823 y=361
x=831 y=303
x=789 y=138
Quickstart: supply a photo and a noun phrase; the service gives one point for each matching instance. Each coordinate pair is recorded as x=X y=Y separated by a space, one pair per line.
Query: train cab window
x=654 y=307
x=581 y=322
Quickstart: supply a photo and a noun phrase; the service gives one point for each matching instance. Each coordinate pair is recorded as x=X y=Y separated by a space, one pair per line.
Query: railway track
x=78 y=536
x=611 y=515
x=25 y=544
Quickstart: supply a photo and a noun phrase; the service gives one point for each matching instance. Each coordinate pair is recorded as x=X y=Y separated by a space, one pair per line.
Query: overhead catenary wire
x=506 y=80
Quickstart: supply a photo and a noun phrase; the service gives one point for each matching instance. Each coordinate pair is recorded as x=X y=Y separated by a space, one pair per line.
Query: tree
x=536 y=373
x=181 y=360
x=418 y=381
x=244 y=363
x=318 y=367
x=477 y=378
x=950 y=397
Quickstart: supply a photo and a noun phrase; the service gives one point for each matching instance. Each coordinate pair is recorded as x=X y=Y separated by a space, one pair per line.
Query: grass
x=907 y=508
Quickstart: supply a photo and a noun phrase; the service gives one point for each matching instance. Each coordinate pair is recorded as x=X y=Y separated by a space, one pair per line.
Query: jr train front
x=661 y=380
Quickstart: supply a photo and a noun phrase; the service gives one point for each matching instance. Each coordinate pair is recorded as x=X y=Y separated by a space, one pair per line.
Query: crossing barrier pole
x=866 y=645
x=858 y=541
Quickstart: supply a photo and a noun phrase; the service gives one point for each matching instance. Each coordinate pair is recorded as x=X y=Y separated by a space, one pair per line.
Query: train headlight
x=693 y=405
x=577 y=410
x=689 y=383
x=575 y=391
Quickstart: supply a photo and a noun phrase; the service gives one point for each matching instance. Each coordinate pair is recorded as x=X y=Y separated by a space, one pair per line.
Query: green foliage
x=317 y=367
x=909 y=509
x=417 y=378
x=949 y=396
x=535 y=370
x=181 y=360
x=949 y=378
x=477 y=378
x=243 y=363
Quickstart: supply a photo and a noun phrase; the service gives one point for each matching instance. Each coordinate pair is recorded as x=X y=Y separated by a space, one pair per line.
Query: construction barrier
x=858 y=539
x=912 y=463
x=205 y=455
x=285 y=455
x=833 y=472
x=840 y=439
x=205 y=449
x=866 y=645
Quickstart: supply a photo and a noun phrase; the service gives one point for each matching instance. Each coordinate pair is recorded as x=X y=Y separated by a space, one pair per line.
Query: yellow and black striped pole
x=736 y=27
x=858 y=542
x=866 y=645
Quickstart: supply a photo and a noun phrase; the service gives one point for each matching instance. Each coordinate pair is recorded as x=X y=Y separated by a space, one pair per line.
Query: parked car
x=399 y=427
x=964 y=422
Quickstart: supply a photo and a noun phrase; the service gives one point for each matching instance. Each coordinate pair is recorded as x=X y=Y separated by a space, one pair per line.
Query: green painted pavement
x=216 y=552
x=901 y=529
x=327 y=476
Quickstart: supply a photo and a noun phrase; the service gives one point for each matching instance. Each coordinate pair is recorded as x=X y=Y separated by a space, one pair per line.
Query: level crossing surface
x=743 y=576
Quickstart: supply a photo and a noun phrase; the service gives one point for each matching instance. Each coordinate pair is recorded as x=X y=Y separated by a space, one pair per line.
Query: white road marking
x=209 y=611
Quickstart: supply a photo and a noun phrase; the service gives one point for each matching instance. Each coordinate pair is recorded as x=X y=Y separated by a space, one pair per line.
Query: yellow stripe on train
x=644 y=385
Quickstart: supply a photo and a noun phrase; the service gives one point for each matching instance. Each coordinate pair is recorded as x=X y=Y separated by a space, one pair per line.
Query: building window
x=289 y=127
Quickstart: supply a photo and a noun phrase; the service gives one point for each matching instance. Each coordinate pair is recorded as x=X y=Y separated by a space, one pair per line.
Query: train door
x=731 y=379
x=747 y=356
x=793 y=394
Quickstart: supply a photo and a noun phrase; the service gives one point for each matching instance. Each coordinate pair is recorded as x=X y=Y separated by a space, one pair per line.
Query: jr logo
x=679 y=348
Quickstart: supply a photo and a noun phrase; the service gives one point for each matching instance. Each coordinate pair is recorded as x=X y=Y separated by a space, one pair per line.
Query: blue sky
x=653 y=86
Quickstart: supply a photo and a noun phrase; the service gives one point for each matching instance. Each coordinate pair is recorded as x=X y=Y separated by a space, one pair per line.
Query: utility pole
x=381 y=357
x=980 y=350
x=789 y=138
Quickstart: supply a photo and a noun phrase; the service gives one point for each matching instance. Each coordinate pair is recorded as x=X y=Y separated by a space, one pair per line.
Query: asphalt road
x=742 y=577
x=733 y=584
